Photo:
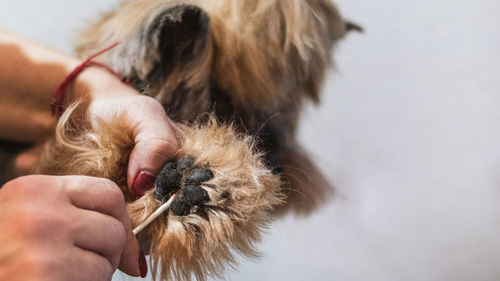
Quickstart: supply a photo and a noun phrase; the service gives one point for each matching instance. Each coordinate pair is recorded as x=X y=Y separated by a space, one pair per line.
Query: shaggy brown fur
x=242 y=192
x=252 y=63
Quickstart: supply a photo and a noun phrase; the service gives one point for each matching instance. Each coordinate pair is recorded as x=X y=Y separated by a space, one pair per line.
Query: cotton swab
x=156 y=214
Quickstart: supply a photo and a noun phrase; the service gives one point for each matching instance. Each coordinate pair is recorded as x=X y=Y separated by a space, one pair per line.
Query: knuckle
x=27 y=185
x=151 y=102
x=19 y=186
x=113 y=193
x=144 y=104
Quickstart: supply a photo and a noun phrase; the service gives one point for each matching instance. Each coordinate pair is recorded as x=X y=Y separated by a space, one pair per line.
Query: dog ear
x=182 y=32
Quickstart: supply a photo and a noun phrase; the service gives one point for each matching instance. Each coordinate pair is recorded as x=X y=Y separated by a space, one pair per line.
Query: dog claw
x=198 y=176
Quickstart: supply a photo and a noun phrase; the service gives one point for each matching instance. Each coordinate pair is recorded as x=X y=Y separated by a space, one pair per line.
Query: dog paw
x=184 y=179
x=223 y=195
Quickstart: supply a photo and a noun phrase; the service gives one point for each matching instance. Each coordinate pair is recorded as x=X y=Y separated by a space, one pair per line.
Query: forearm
x=30 y=74
x=29 y=77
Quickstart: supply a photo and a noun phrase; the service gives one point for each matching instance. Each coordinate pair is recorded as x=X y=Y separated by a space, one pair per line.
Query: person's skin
x=65 y=228
x=73 y=207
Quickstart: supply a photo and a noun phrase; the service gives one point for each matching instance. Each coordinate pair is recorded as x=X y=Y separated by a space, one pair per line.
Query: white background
x=408 y=131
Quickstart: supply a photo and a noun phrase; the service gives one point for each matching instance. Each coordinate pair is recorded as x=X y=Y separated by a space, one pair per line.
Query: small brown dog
x=249 y=64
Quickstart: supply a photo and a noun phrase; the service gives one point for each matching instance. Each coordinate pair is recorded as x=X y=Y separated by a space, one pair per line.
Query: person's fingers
x=107 y=236
x=41 y=262
x=155 y=144
x=132 y=259
x=95 y=266
x=104 y=196
x=71 y=212
x=101 y=234
x=154 y=136
x=96 y=194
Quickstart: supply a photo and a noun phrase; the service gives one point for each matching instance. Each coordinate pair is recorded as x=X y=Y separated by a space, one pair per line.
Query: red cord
x=57 y=104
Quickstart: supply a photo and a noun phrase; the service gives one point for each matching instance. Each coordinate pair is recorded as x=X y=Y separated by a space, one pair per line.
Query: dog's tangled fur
x=234 y=75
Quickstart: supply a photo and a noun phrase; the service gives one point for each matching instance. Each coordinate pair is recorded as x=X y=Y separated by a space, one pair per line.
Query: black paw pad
x=195 y=195
x=168 y=181
x=185 y=163
x=180 y=207
x=198 y=175
x=184 y=179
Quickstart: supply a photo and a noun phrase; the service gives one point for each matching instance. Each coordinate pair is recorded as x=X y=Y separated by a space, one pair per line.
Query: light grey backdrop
x=408 y=131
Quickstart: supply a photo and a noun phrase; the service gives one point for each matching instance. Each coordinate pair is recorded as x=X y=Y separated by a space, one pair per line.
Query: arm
x=29 y=76
x=30 y=73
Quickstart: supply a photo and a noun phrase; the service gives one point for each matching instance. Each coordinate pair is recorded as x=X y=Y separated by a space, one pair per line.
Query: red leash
x=57 y=104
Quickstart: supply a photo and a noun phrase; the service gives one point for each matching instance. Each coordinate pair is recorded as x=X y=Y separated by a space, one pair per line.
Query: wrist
x=89 y=80
x=96 y=82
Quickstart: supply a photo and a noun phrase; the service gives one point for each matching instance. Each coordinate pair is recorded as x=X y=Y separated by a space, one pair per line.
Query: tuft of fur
x=78 y=149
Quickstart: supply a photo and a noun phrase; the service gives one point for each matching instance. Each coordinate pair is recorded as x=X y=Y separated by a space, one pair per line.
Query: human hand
x=66 y=228
x=152 y=130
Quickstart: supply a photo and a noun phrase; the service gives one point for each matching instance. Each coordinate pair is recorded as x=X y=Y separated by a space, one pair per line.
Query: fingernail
x=143 y=182
x=143 y=265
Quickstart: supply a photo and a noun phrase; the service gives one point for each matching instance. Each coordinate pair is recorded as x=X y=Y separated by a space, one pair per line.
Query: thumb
x=155 y=144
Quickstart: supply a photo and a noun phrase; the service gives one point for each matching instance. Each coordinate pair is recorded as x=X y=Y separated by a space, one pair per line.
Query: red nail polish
x=143 y=182
x=143 y=265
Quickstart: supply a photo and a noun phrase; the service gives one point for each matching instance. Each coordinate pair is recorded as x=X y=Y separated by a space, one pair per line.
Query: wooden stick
x=156 y=214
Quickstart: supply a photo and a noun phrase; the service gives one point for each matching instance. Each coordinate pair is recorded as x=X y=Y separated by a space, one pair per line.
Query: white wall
x=408 y=131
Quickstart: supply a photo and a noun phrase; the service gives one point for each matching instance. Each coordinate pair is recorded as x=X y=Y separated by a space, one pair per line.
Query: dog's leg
x=223 y=191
